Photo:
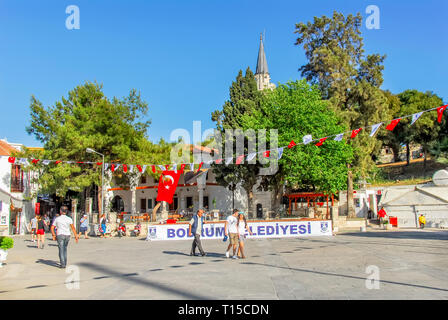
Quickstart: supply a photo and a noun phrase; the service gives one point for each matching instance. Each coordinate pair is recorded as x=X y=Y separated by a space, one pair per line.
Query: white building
x=15 y=189
x=203 y=193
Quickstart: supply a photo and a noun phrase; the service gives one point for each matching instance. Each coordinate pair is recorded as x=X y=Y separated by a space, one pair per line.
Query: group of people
x=235 y=230
x=421 y=218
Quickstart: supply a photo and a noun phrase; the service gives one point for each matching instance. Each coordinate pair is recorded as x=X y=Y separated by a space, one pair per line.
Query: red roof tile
x=6 y=149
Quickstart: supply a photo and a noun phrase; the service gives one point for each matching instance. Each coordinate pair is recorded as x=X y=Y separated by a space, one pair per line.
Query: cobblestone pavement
x=411 y=264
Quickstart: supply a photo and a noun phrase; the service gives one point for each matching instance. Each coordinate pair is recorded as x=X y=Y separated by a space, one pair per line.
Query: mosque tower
x=262 y=73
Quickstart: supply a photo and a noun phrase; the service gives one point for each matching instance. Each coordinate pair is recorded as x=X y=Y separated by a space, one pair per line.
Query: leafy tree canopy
x=86 y=118
x=297 y=109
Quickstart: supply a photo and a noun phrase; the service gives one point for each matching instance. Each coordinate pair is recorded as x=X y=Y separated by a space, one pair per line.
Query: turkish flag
x=167 y=185
x=291 y=144
x=391 y=126
x=240 y=159
x=440 y=111
x=355 y=132
x=321 y=141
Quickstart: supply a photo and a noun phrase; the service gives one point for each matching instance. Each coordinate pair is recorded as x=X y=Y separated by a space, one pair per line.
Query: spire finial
x=261 y=36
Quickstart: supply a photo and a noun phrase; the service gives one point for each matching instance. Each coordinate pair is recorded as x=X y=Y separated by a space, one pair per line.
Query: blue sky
x=184 y=55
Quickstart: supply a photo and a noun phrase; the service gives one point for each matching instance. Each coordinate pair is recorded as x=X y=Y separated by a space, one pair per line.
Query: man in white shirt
x=231 y=230
x=63 y=224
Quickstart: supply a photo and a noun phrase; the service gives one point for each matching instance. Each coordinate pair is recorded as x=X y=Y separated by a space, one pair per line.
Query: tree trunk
x=276 y=199
x=154 y=212
x=408 y=154
x=396 y=151
x=250 y=203
x=233 y=199
x=100 y=199
x=424 y=161
x=350 y=202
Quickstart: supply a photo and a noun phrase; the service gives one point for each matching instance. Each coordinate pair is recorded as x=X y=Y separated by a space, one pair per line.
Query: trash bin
x=393 y=221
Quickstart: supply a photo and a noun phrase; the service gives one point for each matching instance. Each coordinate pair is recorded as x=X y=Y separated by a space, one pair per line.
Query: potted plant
x=6 y=243
x=386 y=225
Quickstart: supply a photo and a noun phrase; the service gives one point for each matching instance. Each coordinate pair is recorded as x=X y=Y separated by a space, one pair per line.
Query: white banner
x=262 y=229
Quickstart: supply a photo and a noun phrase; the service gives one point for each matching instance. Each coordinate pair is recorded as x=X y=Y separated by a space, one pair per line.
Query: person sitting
x=121 y=229
x=137 y=229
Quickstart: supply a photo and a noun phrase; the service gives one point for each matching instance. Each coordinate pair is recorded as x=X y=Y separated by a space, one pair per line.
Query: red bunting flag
x=355 y=132
x=218 y=161
x=139 y=167
x=167 y=166
x=291 y=144
x=99 y=163
x=35 y=161
x=113 y=168
x=391 y=126
x=58 y=161
x=267 y=154
x=153 y=168
x=167 y=186
x=12 y=159
x=125 y=168
x=440 y=111
x=239 y=159
x=321 y=141
x=182 y=166
x=200 y=165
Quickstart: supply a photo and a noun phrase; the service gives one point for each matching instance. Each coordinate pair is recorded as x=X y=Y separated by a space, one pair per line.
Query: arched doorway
x=259 y=211
x=117 y=204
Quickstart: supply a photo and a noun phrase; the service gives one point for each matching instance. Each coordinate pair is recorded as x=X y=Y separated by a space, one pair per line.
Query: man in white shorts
x=231 y=230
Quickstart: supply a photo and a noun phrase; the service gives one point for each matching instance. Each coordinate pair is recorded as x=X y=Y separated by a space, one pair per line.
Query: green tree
x=349 y=80
x=426 y=129
x=244 y=99
x=88 y=119
x=297 y=109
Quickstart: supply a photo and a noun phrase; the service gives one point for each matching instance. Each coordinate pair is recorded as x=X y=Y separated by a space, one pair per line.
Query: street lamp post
x=90 y=150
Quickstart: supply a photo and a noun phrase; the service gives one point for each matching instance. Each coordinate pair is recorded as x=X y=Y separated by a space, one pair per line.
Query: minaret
x=262 y=73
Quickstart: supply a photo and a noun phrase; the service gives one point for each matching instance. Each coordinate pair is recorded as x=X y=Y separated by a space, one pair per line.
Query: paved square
x=412 y=265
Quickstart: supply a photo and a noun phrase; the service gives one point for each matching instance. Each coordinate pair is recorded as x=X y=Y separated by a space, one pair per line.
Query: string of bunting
x=240 y=159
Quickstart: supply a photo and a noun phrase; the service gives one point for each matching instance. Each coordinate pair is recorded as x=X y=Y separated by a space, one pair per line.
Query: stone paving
x=412 y=264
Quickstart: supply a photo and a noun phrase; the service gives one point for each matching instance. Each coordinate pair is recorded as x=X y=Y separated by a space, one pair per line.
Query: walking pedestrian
x=382 y=214
x=33 y=227
x=84 y=226
x=422 y=221
x=231 y=230
x=47 y=222
x=40 y=233
x=242 y=228
x=103 y=225
x=195 y=228
x=63 y=225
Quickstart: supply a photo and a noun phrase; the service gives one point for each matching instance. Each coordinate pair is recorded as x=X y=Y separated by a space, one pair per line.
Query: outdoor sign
x=262 y=229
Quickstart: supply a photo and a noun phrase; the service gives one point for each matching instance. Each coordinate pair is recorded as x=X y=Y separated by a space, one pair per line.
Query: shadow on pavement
x=143 y=282
x=176 y=253
x=416 y=235
x=209 y=254
x=346 y=276
x=50 y=263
